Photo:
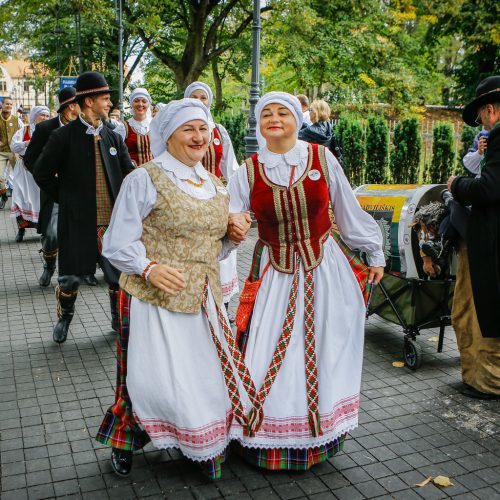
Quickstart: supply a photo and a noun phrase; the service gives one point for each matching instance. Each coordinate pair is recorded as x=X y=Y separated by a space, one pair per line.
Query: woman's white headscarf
x=200 y=86
x=171 y=117
x=283 y=98
x=38 y=110
x=139 y=92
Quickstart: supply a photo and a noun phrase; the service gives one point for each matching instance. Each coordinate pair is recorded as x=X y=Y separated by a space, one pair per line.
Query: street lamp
x=119 y=11
x=251 y=144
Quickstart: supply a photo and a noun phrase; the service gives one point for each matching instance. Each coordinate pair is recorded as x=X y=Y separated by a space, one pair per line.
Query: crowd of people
x=161 y=205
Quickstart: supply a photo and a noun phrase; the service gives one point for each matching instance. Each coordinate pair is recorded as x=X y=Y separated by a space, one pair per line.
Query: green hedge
x=405 y=157
x=351 y=136
x=377 y=149
x=236 y=126
x=443 y=155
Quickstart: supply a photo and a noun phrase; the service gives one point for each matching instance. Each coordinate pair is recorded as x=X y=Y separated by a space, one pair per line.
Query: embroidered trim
x=90 y=91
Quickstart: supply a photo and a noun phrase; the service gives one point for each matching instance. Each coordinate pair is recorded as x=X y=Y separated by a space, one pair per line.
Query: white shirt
x=122 y=243
x=358 y=229
x=471 y=162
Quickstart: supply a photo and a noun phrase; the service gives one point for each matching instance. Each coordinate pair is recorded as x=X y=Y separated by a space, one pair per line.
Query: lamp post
x=119 y=19
x=251 y=144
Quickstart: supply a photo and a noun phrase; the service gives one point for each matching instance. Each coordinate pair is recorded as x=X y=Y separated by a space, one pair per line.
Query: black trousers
x=49 y=239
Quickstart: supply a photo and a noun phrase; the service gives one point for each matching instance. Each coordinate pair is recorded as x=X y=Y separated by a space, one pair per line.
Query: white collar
x=291 y=157
x=140 y=127
x=179 y=169
x=90 y=129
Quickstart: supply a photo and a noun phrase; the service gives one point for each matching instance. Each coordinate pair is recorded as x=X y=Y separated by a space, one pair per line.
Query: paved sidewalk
x=52 y=399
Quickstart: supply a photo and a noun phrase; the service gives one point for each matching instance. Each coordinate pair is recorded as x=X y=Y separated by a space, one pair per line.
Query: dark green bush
x=353 y=148
x=377 y=148
x=443 y=155
x=236 y=126
x=405 y=157
x=467 y=138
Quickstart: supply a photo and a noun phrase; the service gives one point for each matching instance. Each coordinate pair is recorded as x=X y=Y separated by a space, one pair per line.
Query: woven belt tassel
x=256 y=416
x=310 y=357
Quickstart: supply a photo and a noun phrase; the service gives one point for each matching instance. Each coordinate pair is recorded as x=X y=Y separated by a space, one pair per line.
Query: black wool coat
x=483 y=236
x=35 y=147
x=66 y=171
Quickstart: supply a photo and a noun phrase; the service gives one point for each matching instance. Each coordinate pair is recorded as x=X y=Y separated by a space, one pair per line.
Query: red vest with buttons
x=213 y=156
x=138 y=145
x=292 y=219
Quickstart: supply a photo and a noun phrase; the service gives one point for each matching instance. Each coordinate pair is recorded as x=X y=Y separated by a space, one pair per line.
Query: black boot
x=20 y=235
x=65 y=311
x=121 y=461
x=3 y=200
x=90 y=279
x=49 y=267
x=113 y=303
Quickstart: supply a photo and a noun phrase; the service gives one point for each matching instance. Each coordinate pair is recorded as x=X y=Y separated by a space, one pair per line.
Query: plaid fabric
x=213 y=467
x=103 y=199
x=359 y=268
x=101 y=230
x=23 y=223
x=290 y=458
x=119 y=428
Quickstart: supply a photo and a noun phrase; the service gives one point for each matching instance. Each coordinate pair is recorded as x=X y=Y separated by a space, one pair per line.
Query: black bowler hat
x=91 y=83
x=487 y=92
x=66 y=96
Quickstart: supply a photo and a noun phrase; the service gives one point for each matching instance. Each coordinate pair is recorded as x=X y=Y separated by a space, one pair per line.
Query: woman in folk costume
x=221 y=161
x=303 y=345
x=166 y=235
x=136 y=130
x=26 y=194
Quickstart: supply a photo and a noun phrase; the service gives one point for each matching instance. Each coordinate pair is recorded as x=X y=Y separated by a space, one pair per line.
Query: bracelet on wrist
x=147 y=270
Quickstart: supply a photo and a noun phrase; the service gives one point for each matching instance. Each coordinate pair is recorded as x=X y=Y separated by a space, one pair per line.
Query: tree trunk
x=219 y=103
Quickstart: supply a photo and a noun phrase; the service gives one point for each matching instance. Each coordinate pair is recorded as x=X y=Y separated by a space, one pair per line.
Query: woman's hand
x=238 y=226
x=376 y=274
x=168 y=279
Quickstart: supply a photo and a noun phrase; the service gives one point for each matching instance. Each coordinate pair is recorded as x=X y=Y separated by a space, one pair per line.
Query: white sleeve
x=471 y=162
x=20 y=124
x=122 y=244
x=120 y=129
x=357 y=228
x=239 y=191
x=229 y=163
x=17 y=145
x=227 y=247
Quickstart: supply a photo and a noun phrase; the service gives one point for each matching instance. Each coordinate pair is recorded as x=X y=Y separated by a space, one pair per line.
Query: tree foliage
x=443 y=155
x=377 y=149
x=352 y=140
x=405 y=157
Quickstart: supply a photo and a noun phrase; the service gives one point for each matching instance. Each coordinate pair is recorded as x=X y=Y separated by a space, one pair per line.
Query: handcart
x=405 y=296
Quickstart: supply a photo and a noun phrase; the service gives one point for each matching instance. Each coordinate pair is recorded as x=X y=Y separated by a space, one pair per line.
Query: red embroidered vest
x=138 y=145
x=213 y=156
x=292 y=219
x=27 y=134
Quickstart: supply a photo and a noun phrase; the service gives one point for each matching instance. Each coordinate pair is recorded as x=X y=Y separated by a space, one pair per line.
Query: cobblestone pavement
x=52 y=398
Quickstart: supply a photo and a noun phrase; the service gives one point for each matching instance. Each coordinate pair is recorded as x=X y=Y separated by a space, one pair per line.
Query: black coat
x=483 y=236
x=35 y=147
x=66 y=171
x=321 y=133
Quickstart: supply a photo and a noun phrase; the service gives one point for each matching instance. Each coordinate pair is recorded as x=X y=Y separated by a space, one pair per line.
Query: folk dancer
x=82 y=168
x=135 y=133
x=166 y=235
x=25 y=205
x=220 y=161
x=475 y=313
x=47 y=222
x=303 y=339
x=9 y=125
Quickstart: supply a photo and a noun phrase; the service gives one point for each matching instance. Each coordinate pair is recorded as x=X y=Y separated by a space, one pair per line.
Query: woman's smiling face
x=189 y=142
x=277 y=122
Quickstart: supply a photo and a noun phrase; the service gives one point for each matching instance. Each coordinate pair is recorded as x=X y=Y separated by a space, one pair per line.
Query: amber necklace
x=195 y=184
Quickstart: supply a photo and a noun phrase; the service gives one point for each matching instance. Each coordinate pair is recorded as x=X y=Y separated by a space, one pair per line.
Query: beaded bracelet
x=144 y=274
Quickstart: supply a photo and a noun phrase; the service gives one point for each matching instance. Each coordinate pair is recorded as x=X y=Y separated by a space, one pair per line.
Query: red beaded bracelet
x=148 y=267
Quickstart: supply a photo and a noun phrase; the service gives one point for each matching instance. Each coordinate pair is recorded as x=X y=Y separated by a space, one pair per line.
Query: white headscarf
x=200 y=86
x=170 y=117
x=283 y=98
x=139 y=92
x=38 y=110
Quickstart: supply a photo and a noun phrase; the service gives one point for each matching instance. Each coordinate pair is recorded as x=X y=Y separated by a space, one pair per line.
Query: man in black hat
x=47 y=222
x=82 y=168
x=476 y=305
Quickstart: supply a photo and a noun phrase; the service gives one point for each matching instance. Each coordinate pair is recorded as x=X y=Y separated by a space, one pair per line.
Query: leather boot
x=20 y=235
x=3 y=200
x=113 y=303
x=65 y=312
x=49 y=266
x=121 y=461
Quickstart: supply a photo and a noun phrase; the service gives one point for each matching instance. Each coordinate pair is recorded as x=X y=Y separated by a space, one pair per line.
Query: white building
x=17 y=79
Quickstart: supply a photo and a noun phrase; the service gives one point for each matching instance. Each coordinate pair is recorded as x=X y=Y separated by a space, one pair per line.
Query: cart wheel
x=412 y=354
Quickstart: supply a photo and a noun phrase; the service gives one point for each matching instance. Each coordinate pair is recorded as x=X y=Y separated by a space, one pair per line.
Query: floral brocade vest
x=183 y=232
x=292 y=219
x=213 y=157
x=139 y=147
